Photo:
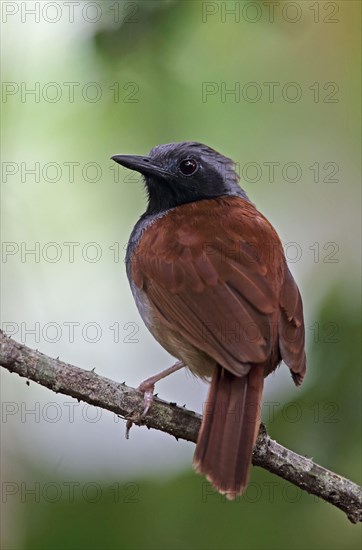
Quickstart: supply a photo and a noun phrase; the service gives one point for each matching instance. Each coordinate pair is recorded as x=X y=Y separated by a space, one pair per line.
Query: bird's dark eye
x=188 y=167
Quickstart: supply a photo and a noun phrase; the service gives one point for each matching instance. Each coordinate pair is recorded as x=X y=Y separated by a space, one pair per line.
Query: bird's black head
x=179 y=173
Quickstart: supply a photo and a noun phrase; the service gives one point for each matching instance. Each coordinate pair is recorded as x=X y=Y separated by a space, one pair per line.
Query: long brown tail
x=229 y=429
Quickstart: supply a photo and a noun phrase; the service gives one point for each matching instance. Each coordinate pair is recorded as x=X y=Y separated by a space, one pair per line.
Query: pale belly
x=199 y=363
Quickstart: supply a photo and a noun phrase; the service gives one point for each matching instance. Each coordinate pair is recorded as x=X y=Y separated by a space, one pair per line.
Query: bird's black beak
x=144 y=165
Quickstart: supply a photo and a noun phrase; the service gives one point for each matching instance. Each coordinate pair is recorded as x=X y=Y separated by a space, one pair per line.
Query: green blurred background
x=121 y=77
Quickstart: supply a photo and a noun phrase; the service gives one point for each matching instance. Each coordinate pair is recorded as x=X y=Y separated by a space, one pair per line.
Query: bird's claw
x=147 y=389
x=129 y=425
x=148 y=398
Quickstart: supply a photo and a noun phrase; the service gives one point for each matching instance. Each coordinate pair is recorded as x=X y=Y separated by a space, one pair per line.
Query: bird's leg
x=147 y=388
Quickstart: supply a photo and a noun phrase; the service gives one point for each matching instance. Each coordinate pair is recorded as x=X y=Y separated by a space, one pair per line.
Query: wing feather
x=214 y=280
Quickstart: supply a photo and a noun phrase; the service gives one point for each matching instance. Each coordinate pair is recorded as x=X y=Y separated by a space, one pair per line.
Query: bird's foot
x=147 y=387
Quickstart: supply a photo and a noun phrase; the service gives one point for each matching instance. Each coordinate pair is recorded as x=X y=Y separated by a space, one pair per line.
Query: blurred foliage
x=154 y=20
x=185 y=513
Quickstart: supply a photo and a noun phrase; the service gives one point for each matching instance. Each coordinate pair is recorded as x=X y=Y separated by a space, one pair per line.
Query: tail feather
x=229 y=429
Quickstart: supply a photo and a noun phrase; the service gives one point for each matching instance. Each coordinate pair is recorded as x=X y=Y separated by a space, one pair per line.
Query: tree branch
x=180 y=422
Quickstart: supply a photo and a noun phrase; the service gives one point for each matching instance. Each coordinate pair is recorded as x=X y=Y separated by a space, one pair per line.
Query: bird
x=210 y=280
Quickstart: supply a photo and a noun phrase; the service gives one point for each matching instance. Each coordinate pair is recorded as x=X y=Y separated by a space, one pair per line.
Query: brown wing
x=291 y=328
x=215 y=279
